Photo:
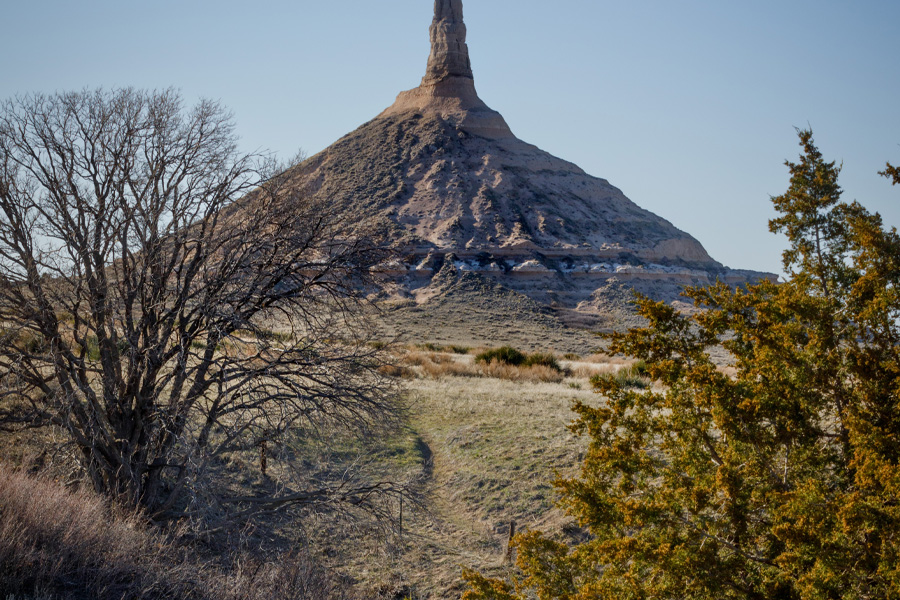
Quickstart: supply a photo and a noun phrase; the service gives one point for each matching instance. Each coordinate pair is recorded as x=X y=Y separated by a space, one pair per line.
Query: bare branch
x=165 y=299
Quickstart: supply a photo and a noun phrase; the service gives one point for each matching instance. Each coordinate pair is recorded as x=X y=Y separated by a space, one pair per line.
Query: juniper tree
x=779 y=481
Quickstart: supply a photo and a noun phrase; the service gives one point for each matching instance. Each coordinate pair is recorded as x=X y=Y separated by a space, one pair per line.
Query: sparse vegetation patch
x=56 y=543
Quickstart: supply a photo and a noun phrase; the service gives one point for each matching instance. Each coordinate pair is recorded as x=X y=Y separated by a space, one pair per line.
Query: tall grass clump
x=62 y=544
x=437 y=365
x=533 y=373
x=509 y=363
x=507 y=355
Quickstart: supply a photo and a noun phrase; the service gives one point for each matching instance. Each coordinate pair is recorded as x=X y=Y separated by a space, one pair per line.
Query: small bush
x=498 y=363
x=632 y=376
x=417 y=359
x=450 y=368
x=542 y=359
x=33 y=343
x=638 y=369
x=588 y=371
x=275 y=336
x=506 y=355
x=65 y=317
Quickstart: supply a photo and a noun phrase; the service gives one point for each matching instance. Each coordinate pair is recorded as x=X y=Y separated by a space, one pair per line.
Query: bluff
x=460 y=191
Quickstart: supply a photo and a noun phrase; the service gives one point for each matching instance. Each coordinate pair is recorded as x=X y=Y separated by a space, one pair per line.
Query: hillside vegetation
x=483 y=443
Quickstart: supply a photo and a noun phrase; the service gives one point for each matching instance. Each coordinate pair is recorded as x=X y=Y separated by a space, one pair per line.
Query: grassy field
x=490 y=449
x=483 y=443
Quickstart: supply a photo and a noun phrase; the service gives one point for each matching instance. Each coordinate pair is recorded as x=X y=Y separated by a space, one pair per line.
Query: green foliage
x=632 y=376
x=508 y=355
x=779 y=482
x=454 y=349
x=504 y=354
x=891 y=172
x=544 y=359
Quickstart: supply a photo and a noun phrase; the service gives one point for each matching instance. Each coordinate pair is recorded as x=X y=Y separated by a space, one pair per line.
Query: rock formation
x=448 y=88
x=448 y=175
x=449 y=54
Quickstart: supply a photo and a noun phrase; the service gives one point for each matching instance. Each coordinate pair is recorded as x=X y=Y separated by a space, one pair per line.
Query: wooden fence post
x=263 y=457
x=509 y=542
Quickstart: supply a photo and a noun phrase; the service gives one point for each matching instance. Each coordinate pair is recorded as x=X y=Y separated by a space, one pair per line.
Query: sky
x=688 y=107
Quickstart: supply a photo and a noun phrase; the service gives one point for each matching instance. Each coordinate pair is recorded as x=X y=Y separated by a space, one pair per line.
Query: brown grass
x=605 y=359
x=450 y=369
x=55 y=543
x=597 y=364
x=533 y=373
x=436 y=365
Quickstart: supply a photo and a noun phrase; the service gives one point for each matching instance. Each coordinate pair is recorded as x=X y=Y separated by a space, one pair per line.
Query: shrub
x=396 y=371
x=431 y=347
x=632 y=376
x=544 y=359
x=33 y=343
x=506 y=355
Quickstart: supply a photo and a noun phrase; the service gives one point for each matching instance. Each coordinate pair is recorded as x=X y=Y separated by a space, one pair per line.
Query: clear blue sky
x=689 y=107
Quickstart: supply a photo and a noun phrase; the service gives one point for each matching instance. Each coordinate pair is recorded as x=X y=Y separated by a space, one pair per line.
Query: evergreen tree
x=779 y=480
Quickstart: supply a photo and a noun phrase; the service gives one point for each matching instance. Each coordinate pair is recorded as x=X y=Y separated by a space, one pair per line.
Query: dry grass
x=587 y=370
x=532 y=373
x=437 y=365
x=489 y=439
x=606 y=359
x=56 y=543
x=597 y=364
x=495 y=446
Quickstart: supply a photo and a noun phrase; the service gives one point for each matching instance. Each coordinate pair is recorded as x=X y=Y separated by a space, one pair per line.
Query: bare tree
x=164 y=300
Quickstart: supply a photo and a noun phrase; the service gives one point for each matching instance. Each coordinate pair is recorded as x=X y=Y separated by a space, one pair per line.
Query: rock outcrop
x=448 y=88
x=449 y=54
x=454 y=183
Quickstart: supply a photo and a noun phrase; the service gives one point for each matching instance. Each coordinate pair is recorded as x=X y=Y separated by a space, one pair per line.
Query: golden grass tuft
x=530 y=373
x=53 y=540
x=435 y=365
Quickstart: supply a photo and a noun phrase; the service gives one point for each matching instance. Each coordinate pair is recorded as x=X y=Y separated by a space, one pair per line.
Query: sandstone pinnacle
x=449 y=54
x=448 y=88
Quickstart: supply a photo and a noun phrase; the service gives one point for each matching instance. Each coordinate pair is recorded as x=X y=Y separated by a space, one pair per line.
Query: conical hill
x=454 y=183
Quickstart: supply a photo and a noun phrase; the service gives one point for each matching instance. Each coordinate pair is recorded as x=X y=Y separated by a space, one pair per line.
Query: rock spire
x=470 y=206
x=448 y=88
x=449 y=54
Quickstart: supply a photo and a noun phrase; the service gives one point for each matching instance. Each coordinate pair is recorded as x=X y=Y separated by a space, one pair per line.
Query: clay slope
x=447 y=190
